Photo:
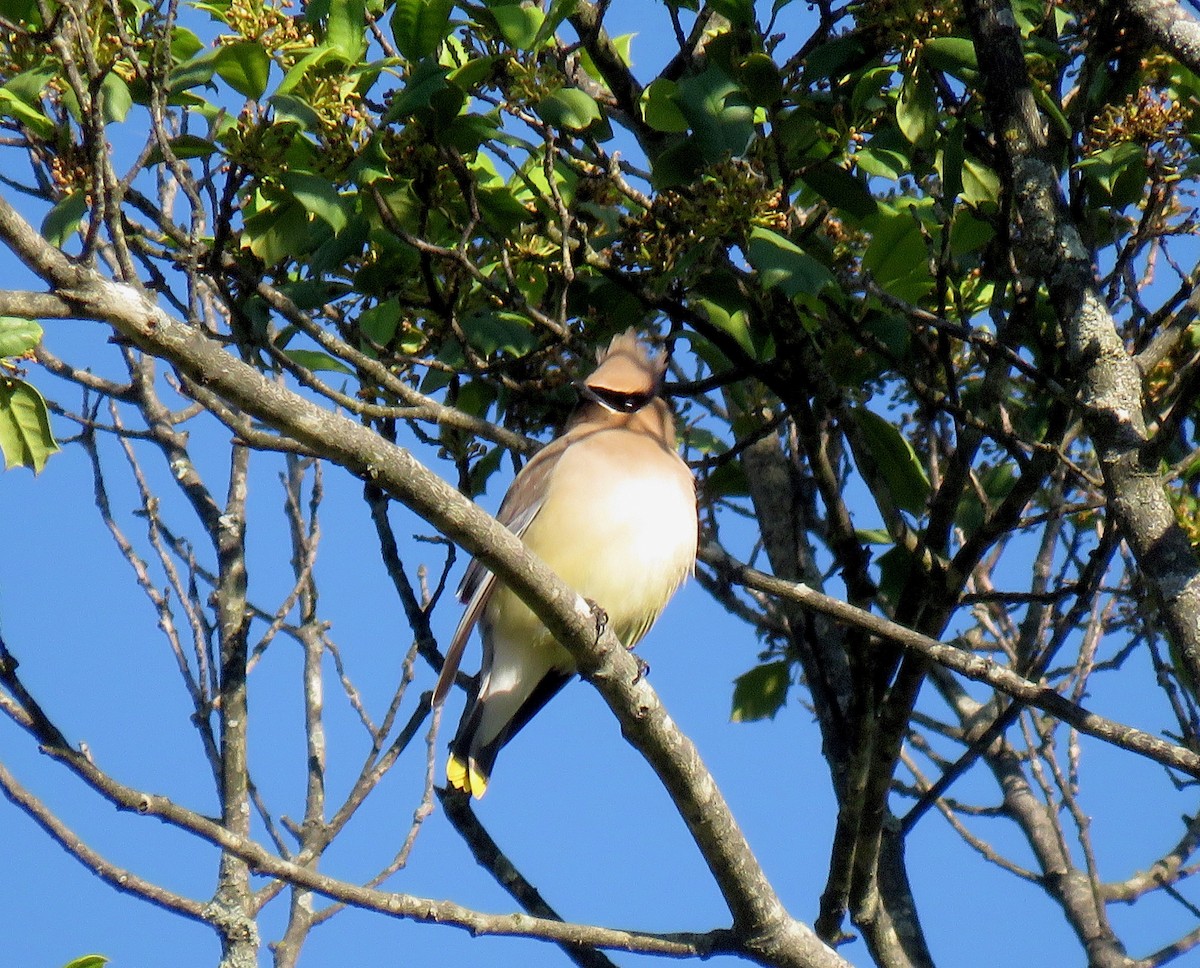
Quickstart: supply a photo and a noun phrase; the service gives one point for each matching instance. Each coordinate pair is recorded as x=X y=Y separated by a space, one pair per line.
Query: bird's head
x=627 y=377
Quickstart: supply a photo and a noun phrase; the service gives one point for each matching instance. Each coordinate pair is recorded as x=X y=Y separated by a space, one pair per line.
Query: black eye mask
x=615 y=400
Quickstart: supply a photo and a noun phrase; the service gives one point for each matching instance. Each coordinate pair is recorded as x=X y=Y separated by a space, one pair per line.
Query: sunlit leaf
x=979 y=183
x=783 y=264
x=14 y=107
x=896 y=256
x=559 y=11
x=316 y=361
x=954 y=55
x=518 y=24
x=88 y=961
x=345 y=29
x=244 y=66
x=25 y=436
x=761 y=692
x=62 y=220
x=419 y=26
x=659 y=107
x=907 y=481
x=317 y=195
x=116 y=98
x=569 y=108
x=18 y=336
x=916 y=107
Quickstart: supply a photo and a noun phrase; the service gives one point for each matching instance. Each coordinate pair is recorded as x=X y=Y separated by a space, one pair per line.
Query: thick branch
x=1108 y=381
x=1171 y=26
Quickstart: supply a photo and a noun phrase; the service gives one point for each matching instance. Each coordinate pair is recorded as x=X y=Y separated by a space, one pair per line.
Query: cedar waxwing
x=610 y=507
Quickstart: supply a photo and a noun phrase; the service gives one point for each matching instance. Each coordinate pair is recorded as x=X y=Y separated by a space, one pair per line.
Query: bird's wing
x=518 y=509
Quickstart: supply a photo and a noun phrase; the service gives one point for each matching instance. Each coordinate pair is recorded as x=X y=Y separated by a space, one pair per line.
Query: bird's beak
x=588 y=393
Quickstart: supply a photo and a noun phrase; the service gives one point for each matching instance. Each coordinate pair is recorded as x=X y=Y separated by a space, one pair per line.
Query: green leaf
x=499 y=332
x=519 y=25
x=728 y=480
x=948 y=162
x=195 y=72
x=569 y=108
x=473 y=72
x=345 y=29
x=896 y=256
x=62 y=220
x=244 y=66
x=288 y=108
x=315 y=360
x=761 y=692
x=117 y=99
x=276 y=232
x=501 y=208
x=660 y=108
x=719 y=296
x=318 y=196
x=782 y=263
x=88 y=961
x=559 y=11
x=740 y=12
x=881 y=162
x=182 y=146
x=25 y=435
x=831 y=59
x=21 y=11
x=13 y=106
x=300 y=69
x=426 y=80
x=714 y=107
x=18 y=336
x=979 y=183
x=844 y=191
x=897 y=461
x=761 y=78
x=916 y=107
x=954 y=55
x=379 y=322
x=184 y=44
x=419 y=26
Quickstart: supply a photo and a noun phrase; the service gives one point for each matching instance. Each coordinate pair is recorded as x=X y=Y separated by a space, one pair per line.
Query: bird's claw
x=643 y=669
x=601 y=618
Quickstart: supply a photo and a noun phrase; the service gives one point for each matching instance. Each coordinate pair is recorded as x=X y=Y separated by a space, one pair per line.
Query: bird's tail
x=474 y=749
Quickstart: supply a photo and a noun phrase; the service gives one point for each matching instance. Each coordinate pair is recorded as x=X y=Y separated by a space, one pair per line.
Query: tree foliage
x=928 y=278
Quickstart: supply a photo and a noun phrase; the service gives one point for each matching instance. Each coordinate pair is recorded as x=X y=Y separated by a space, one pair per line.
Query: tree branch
x=977 y=667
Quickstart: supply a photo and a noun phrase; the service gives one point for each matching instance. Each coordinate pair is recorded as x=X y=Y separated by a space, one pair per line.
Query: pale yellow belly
x=619 y=526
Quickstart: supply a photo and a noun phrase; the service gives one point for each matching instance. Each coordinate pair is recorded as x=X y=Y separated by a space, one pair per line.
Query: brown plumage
x=611 y=508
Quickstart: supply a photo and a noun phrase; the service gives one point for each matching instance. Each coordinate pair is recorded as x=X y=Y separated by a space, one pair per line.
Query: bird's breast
x=618 y=524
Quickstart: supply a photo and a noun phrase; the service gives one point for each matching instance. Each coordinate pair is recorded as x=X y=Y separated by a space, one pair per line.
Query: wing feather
x=518 y=509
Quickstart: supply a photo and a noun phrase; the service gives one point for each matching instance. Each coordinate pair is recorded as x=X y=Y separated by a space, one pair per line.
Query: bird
x=610 y=507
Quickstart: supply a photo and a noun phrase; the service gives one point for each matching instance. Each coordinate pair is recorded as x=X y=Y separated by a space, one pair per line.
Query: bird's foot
x=601 y=618
x=643 y=668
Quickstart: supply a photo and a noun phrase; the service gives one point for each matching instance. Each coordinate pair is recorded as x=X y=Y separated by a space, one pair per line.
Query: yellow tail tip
x=465 y=777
